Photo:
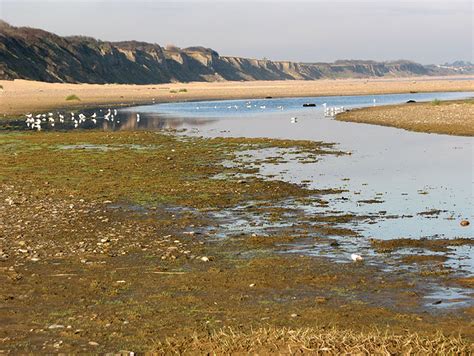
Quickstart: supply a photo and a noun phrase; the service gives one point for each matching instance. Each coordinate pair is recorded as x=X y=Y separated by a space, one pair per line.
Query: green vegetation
x=72 y=97
x=115 y=158
x=182 y=90
x=436 y=102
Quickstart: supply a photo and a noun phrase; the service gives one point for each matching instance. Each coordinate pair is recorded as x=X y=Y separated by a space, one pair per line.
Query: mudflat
x=21 y=96
x=109 y=242
x=443 y=117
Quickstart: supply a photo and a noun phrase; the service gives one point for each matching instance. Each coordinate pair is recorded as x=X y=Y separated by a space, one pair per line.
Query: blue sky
x=308 y=31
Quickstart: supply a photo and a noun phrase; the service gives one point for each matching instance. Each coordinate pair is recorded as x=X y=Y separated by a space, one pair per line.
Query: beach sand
x=21 y=96
x=447 y=117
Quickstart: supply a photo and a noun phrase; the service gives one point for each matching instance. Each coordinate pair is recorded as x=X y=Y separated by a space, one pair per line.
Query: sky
x=429 y=32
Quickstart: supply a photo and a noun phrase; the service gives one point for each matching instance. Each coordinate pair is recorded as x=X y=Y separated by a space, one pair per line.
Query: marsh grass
x=327 y=341
x=436 y=102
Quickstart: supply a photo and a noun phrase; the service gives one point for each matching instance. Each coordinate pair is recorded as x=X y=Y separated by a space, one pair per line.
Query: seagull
x=356 y=258
x=138 y=118
x=294 y=120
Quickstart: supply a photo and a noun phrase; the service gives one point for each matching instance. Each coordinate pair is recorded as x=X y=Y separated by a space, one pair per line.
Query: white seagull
x=356 y=258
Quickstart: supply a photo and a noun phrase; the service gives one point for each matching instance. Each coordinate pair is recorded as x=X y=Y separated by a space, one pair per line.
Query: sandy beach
x=21 y=96
x=450 y=117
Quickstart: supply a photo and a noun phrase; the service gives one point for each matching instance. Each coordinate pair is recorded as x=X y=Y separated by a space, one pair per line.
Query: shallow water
x=423 y=182
x=410 y=173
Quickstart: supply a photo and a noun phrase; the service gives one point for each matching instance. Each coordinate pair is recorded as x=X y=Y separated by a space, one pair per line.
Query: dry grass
x=325 y=341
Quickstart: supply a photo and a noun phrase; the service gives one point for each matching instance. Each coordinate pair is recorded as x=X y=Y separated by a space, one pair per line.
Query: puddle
x=448 y=297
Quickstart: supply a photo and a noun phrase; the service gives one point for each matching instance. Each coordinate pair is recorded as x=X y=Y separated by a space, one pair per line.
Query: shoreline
x=19 y=97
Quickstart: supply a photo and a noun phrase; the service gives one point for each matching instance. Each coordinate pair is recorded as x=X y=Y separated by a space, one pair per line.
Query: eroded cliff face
x=27 y=53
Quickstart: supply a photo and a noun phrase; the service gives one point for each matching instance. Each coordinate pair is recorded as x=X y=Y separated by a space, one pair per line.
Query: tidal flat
x=455 y=117
x=109 y=242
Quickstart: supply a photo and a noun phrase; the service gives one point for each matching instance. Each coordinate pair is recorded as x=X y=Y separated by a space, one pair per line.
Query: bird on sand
x=356 y=258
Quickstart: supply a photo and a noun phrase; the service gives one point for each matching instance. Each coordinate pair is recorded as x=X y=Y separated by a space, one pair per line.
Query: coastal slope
x=34 y=54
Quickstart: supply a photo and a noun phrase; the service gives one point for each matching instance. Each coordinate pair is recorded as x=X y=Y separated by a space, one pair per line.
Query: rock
x=56 y=326
x=57 y=345
x=465 y=223
x=307 y=105
x=411 y=101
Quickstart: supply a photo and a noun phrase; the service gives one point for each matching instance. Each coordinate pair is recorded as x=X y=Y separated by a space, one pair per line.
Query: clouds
x=309 y=31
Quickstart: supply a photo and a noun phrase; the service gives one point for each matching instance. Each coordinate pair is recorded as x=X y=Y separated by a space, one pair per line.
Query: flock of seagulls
x=248 y=105
x=328 y=111
x=332 y=111
x=37 y=122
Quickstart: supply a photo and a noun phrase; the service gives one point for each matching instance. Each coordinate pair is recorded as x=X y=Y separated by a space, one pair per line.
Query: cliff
x=28 y=53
